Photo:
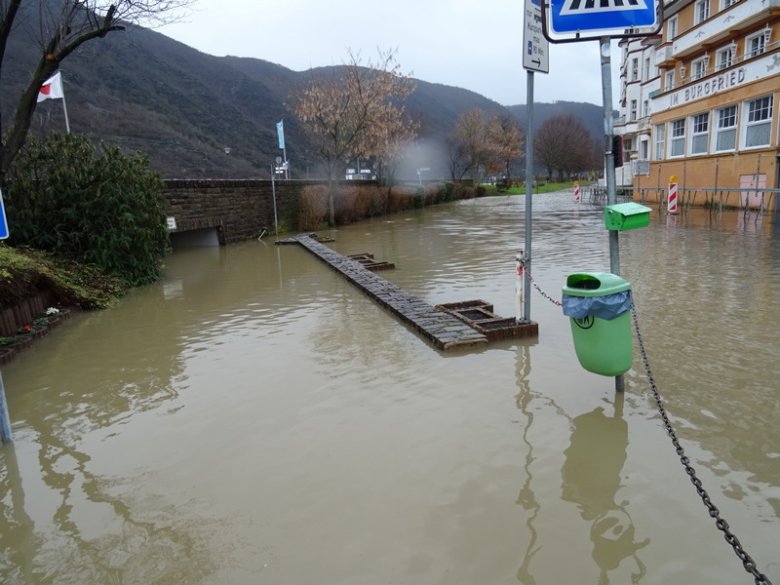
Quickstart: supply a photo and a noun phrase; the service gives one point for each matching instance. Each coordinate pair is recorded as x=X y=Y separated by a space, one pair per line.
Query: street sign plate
x=569 y=16
x=536 y=49
x=3 y=222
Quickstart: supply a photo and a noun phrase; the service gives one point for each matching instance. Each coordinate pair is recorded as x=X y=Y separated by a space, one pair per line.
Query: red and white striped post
x=576 y=192
x=520 y=285
x=671 y=198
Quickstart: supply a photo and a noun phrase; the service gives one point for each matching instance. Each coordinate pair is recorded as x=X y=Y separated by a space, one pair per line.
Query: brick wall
x=238 y=209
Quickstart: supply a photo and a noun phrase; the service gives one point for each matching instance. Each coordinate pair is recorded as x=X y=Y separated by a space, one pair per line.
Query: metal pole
x=5 y=420
x=606 y=86
x=273 y=192
x=529 y=191
x=715 y=192
x=65 y=110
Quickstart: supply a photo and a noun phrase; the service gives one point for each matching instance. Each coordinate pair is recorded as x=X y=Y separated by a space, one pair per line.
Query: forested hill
x=200 y=116
x=592 y=116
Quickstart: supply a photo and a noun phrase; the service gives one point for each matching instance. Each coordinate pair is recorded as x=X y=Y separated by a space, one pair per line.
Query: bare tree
x=469 y=144
x=359 y=113
x=564 y=145
x=62 y=26
x=480 y=142
x=394 y=133
x=507 y=140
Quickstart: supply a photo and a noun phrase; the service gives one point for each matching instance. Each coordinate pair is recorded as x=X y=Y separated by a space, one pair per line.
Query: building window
x=671 y=28
x=701 y=11
x=669 y=82
x=677 y=138
x=646 y=108
x=758 y=122
x=755 y=45
x=660 y=145
x=628 y=145
x=726 y=3
x=726 y=131
x=647 y=68
x=699 y=67
x=699 y=133
x=632 y=111
x=725 y=57
x=644 y=149
x=635 y=69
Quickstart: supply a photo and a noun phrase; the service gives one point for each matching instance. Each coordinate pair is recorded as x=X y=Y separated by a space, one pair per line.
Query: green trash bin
x=598 y=304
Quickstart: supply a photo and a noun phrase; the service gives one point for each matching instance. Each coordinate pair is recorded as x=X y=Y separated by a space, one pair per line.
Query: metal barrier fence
x=744 y=199
x=598 y=195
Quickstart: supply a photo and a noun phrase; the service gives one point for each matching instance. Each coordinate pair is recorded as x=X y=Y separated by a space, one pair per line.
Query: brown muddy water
x=253 y=418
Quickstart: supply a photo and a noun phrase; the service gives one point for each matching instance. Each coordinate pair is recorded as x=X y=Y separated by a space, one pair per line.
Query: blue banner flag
x=3 y=222
x=280 y=132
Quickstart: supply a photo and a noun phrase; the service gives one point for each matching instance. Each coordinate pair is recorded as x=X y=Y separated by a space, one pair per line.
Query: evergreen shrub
x=98 y=207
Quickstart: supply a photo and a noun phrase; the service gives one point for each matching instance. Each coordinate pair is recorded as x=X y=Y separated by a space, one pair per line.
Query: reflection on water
x=591 y=478
x=254 y=418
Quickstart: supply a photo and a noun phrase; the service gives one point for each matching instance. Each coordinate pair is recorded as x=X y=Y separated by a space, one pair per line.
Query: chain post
x=747 y=561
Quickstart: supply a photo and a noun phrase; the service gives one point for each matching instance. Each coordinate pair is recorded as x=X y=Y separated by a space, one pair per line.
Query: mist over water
x=424 y=160
x=254 y=418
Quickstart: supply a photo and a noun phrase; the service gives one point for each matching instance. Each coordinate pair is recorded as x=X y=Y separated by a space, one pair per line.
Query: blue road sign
x=586 y=15
x=3 y=222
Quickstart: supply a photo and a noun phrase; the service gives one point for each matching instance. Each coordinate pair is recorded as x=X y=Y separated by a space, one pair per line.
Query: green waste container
x=626 y=216
x=598 y=304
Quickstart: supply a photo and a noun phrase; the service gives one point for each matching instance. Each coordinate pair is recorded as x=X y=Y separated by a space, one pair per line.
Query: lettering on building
x=707 y=88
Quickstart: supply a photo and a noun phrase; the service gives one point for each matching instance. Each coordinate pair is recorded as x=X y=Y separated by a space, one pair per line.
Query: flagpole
x=65 y=109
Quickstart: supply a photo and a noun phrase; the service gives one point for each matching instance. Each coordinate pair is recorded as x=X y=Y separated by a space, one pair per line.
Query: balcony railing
x=663 y=54
x=640 y=167
x=719 y=27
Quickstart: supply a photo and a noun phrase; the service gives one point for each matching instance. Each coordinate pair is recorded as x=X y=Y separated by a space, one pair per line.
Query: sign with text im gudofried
x=568 y=16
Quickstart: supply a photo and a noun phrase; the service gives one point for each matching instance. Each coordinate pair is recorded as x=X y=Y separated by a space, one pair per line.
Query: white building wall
x=640 y=82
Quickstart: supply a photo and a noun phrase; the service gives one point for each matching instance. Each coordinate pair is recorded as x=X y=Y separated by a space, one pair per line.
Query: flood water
x=254 y=418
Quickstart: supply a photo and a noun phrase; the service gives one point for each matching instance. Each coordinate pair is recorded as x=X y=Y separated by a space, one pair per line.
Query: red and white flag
x=51 y=89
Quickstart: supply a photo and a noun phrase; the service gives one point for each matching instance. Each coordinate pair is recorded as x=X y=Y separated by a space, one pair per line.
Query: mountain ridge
x=201 y=116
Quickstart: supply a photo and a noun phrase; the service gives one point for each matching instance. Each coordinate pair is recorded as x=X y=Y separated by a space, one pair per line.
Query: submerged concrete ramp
x=441 y=329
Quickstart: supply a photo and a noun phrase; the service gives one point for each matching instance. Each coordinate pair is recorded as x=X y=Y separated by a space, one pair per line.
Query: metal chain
x=555 y=302
x=747 y=560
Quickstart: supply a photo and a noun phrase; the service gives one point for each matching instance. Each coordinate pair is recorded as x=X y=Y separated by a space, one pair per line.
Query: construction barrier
x=671 y=197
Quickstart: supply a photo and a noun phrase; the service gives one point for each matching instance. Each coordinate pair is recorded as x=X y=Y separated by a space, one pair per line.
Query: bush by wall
x=103 y=208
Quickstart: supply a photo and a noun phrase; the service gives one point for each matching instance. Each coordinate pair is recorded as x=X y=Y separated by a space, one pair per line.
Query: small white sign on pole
x=536 y=48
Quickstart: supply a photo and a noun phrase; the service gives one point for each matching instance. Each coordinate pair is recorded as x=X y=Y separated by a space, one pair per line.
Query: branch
x=6 y=25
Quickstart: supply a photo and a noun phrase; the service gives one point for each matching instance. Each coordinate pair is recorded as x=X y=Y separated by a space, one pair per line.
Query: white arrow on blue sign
x=585 y=15
x=3 y=222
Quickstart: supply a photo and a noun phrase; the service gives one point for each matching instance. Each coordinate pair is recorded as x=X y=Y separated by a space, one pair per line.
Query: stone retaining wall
x=238 y=209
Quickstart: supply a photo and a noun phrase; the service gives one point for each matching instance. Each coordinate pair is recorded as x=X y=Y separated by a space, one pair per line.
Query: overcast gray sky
x=465 y=43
